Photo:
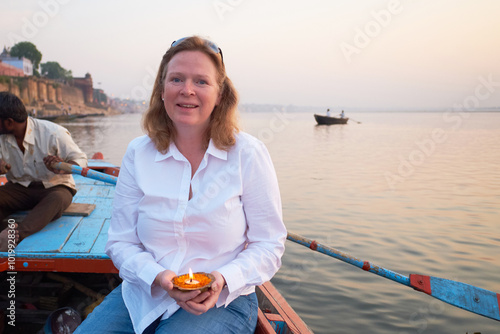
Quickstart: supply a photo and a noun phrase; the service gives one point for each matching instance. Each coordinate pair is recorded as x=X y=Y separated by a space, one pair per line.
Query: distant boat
x=61 y=118
x=327 y=120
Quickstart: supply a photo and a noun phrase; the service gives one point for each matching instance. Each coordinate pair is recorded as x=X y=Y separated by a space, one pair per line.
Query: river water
x=410 y=192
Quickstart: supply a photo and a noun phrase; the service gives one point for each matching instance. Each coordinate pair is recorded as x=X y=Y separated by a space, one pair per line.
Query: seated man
x=28 y=148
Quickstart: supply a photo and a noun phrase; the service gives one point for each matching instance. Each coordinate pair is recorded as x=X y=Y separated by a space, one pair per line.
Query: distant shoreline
x=255 y=108
x=51 y=111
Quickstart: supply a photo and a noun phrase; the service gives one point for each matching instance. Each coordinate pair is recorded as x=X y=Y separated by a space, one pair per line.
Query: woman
x=194 y=193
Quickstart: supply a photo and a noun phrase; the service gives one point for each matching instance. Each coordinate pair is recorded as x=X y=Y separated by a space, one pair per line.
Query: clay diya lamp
x=197 y=281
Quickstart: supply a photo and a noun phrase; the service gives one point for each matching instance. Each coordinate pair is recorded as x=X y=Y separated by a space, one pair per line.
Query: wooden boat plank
x=103 y=207
x=84 y=236
x=80 y=180
x=263 y=324
x=278 y=323
x=92 y=190
x=96 y=164
x=294 y=323
x=84 y=190
x=51 y=238
x=61 y=264
x=75 y=209
x=102 y=239
x=79 y=209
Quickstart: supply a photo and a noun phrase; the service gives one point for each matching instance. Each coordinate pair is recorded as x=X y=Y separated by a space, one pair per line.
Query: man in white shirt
x=28 y=148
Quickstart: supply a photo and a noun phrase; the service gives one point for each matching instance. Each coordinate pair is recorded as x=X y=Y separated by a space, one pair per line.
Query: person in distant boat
x=28 y=147
x=194 y=193
x=342 y=115
x=328 y=112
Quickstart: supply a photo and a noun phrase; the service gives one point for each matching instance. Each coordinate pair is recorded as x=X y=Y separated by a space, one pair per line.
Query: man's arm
x=67 y=151
x=51 y=159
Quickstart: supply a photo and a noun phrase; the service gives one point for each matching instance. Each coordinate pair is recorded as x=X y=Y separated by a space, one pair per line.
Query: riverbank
x=47 y=98
x=51 y=111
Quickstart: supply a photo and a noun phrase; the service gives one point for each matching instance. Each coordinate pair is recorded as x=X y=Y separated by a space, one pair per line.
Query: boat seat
x=74 y=209
x=79 y=209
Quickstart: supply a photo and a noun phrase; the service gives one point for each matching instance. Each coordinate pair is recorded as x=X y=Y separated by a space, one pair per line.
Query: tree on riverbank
x=53 y=70
x=27 y=50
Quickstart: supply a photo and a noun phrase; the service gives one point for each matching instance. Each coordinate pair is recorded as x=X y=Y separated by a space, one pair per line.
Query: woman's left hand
x=206 y=300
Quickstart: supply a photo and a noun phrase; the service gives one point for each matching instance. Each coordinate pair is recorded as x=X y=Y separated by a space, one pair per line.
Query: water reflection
x=109 y=135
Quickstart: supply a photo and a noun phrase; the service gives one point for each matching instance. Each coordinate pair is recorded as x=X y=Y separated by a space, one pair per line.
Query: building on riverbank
x=21 y=63
x=9 y=70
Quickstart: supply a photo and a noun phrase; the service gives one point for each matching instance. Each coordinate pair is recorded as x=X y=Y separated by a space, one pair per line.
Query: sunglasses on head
x=208 y=43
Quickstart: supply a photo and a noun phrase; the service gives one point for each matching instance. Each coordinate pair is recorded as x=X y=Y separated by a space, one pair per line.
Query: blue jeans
x=111 y=316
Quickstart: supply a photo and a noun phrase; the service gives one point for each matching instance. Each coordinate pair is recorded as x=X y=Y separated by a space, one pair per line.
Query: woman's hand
x=164 y=279
x=195 y=302
x=206 y=300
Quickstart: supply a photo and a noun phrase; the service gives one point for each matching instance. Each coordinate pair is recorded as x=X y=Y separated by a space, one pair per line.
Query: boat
x=275 y=315
x=61 y=118
x=328 y=120
x=65 y=264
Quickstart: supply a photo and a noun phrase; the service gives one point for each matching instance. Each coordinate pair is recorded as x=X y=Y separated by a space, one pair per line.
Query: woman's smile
x=190 y=91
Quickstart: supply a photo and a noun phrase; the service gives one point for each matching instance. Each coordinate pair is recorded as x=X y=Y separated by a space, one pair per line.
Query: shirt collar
x=174 y=152
x=29 y=136
x=214 y=151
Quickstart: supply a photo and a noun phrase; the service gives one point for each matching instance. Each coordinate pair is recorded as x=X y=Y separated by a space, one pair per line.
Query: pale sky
x=355 y=55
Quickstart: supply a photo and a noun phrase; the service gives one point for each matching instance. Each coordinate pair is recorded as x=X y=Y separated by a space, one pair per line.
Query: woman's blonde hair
x=223 y=124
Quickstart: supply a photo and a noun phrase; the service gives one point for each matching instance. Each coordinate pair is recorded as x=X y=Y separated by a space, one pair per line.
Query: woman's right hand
x=164 y=279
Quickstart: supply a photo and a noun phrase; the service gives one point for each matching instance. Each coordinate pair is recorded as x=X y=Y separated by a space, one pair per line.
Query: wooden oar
x=351 y=119
x=87 y=172
x=465 y=296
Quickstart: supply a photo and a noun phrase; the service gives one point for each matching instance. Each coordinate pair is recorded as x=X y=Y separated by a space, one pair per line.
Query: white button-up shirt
x=42 y=138
x=233 y=223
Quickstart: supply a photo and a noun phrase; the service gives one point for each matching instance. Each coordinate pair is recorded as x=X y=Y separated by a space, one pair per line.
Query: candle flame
x=191 y=276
